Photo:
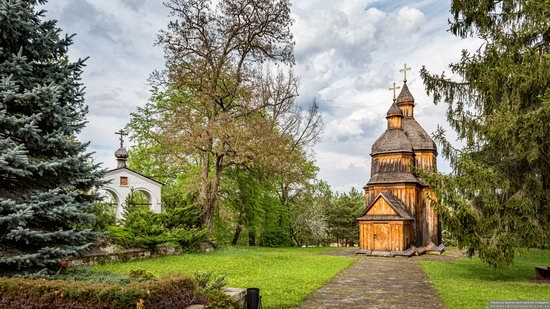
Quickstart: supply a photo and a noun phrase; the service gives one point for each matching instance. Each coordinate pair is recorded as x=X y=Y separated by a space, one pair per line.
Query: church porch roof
x=394 y=202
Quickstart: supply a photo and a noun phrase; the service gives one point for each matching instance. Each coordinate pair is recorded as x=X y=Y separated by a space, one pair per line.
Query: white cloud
x=348 y=53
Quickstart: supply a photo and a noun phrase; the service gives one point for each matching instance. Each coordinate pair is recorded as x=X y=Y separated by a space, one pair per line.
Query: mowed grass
x=285 y=276
x=470 y=283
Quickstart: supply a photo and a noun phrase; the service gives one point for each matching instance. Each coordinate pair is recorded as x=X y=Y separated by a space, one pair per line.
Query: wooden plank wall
x=395 y=237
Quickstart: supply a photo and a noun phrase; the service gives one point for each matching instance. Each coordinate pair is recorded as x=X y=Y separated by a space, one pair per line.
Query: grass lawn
x=285 y=276
x=469 y=283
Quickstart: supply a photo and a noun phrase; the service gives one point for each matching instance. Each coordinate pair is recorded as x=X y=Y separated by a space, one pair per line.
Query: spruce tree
x=45 y=175
x=498 y=197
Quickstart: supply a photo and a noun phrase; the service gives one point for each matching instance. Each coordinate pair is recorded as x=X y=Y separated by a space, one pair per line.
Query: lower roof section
x=394 y=177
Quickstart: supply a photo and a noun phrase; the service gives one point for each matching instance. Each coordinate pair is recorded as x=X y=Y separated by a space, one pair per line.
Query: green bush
x=210 y=286
x=144 y=228
x=105 y=214
x=141 y=274
x=170 y=292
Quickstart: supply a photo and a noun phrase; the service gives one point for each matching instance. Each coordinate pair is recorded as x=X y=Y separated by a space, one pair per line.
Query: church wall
x=132 y=182
x=391 y=163
x=430 y=232
x=407 y=109
x=394 y=122
x=381 y=208
x=425 y=160
x=396 y=239
x=407 y=193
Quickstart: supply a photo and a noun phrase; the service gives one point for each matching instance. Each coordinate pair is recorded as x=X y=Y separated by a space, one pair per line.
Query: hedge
x=169 y=292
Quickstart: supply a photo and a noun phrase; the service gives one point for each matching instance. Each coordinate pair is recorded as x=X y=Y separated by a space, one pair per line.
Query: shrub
x=105 y=214
x=144 y=228
x=210 y=287
x=141 y=274
x=171 y=292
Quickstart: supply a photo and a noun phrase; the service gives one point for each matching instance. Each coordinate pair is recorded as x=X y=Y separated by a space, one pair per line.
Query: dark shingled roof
x=392 y=177
x=405 y=95
x=394 y=110
x=395 y=203
x=419 y=139
x=393 y=140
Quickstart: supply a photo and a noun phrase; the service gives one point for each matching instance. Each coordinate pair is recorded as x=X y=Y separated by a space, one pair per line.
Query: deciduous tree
x=215 y=103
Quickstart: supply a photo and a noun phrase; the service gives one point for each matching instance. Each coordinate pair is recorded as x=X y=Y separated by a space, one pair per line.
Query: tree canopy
x=498 y=196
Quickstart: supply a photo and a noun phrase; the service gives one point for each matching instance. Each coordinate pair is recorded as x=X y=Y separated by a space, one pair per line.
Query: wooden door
x=381 y=236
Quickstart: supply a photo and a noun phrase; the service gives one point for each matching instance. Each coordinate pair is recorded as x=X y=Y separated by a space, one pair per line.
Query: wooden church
x=398 y=218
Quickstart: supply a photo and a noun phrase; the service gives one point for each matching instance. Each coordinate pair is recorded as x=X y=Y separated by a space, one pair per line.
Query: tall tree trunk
x=238 y=231
x=205 y=188
x=251 y=238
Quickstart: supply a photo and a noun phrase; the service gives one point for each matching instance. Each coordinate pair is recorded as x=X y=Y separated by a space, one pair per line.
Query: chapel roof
x=121 y=153
x=405 y=95
x=394 y=110
x=393 y=177
x=393 y=140
x=419 y=139
x=395 y=203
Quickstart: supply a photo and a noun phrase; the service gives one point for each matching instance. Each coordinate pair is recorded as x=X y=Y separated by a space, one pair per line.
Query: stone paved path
x=377 y=282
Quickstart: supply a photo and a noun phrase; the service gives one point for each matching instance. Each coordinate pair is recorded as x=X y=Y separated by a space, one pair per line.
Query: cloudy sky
x=348 y=53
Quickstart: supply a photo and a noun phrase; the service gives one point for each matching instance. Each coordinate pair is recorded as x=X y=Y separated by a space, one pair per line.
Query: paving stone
x=377 y=282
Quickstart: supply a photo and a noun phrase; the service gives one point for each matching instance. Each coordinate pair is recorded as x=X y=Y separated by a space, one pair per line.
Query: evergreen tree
x=498 y=197
x=342 y=216
x=45 y=175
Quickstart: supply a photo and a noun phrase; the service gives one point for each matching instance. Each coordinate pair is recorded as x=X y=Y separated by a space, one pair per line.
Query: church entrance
x=381 y=236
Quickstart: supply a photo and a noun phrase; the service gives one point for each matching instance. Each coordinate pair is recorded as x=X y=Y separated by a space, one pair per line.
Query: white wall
x=135 y=182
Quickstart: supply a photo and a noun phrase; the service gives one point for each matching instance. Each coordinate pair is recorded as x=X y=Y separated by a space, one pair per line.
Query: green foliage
x=143 y=228
x=310 y=221
x=46 y=176
x=170 y=292
x=141 y=274
x=498 y=197
x=105 y=214
x=469 y=283
x=273 y=270
x=342 y=216
x=211 y=287
x=87 y=275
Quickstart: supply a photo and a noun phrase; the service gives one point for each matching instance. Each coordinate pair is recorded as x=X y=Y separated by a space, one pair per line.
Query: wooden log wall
x=392 y=163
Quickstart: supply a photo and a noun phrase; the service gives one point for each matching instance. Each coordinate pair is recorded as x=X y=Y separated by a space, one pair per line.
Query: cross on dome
x=394 y=88
x=404 y=70
x=122 y=133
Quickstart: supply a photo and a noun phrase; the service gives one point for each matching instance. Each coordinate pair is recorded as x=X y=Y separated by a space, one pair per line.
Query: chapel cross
x=122 y=134
x=404 y=70
x=394 y=88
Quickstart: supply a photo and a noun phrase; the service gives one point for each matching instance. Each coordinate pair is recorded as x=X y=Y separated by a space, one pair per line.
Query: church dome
x=394 y=111
x=419 y=139
x=393 y=140
x=121 y=153
x=405 y=96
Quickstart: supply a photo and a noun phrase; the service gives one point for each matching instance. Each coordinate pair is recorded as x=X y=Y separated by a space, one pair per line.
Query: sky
x=348 y=53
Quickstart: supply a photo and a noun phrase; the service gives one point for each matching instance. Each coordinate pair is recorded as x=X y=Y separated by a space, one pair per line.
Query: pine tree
x=45 y=175
x=498 y=197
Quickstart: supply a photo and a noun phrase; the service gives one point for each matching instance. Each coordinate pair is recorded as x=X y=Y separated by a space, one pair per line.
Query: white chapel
x=121 y=181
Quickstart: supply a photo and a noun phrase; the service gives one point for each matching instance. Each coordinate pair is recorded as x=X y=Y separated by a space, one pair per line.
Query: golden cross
x=394 y=88
x=122 y=134
x=404 y=70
